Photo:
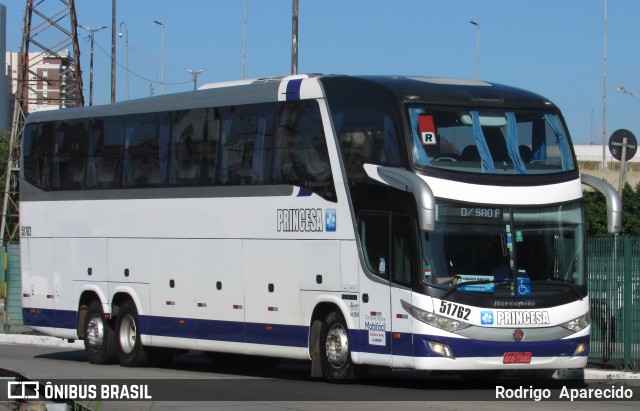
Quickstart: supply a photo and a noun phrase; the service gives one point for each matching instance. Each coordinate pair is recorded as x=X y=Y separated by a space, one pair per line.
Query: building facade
x=49 y=76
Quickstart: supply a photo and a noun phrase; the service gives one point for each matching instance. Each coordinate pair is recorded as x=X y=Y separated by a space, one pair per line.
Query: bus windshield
x=489 y=141
x=506 y=251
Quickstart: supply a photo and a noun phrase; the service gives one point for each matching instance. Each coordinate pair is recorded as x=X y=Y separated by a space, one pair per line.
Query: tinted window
x=271 y=143
x=301 y=157
x=194 y=148
x=247 y=144
x=367 y=132
x=374 y=236
x=104 y=152
x=69 y=154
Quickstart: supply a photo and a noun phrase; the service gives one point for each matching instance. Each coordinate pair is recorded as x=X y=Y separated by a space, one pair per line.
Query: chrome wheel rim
x=337 y=346
x=128 y=334
x=95 y=333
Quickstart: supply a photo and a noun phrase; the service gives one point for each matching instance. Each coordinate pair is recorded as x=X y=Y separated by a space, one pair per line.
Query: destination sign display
x=470 y=212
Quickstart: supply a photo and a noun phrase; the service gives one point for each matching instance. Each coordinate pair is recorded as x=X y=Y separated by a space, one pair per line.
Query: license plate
x=517 y=358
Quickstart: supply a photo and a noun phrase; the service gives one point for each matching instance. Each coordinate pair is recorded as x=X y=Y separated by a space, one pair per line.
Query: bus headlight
x=578 y=324
x=448 y=324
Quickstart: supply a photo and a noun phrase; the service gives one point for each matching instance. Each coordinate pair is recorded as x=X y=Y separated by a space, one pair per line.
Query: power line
x=136 y=74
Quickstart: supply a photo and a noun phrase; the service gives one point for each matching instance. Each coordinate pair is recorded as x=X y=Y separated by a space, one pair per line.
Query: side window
x=247 y=144
x=194 y=148
x=374 y=237
x=69 y=153
x=301 y=156
x=230 y=152
x=104 y=151
x=37 y=148
x=387 y=245
x=261 y=125
x=146 y=149
x=401 y=240
x=368 y=133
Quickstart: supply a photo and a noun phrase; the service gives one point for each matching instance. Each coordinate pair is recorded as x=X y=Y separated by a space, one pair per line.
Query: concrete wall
x=612 y=173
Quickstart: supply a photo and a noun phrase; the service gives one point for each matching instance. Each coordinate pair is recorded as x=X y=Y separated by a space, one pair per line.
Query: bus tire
x=131 y=353
x=335 y=352
x=99 y=339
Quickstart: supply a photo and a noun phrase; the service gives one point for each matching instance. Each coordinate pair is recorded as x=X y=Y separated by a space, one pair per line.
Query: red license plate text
x=517 y=358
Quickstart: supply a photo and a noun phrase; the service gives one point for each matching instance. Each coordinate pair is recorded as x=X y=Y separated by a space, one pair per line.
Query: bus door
x=402 y=252
x=387 y=249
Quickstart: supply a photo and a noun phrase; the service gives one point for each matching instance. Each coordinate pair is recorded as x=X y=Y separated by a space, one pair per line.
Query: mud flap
x=314 y=348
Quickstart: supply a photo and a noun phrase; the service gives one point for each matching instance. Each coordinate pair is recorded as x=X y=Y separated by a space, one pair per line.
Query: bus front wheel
x=334 y=348
x=131 y=353
x=99 y=340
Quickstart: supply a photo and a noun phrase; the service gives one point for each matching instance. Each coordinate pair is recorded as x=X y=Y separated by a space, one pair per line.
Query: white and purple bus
x=407 y=222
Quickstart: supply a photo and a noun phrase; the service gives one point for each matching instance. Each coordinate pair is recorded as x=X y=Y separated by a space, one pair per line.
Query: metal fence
x=12 y=315
x=614 y=286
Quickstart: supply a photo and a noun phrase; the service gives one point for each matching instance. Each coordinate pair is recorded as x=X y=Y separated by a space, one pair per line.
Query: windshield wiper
x=476 y=282
x=571 y=286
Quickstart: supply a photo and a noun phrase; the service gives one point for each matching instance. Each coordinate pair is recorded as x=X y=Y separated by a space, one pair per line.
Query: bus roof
x=435 y=90
x=403 y=88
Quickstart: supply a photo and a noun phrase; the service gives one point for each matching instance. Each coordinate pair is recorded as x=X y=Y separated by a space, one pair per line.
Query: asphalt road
x=244 y=385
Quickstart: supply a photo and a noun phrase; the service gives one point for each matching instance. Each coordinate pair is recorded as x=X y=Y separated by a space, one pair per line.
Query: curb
x=41 y=340
x=612 y=376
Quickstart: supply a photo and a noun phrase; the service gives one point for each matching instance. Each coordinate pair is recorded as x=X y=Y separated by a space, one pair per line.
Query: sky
x=552 y=47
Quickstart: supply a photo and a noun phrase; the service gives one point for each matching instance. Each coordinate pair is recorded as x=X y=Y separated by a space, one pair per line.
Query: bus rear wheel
x=99 y=340
x=131 y=353
x=335 y=351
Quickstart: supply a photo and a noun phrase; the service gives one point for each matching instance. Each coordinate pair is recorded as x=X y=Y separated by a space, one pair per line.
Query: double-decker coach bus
x=409 y=222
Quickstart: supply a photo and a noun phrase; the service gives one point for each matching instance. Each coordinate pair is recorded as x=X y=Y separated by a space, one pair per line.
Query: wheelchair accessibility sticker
x=524 y=286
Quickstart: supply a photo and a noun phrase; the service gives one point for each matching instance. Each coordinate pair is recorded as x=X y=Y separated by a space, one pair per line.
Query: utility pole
x=126 y=42
x=161 y=24
x=475 y=23
x=294 y=39
x=92 y=33
x=113 y=51
x=604 y=93
x=60 y=42
x=194 y=74
x=244 y=42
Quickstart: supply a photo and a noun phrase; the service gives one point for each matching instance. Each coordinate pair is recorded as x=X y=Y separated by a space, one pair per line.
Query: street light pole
x=244 y=42
x=623 y=90
x=126 y=42
x=161 y=24
x=113 y=51
x=92 y=32
x=294 y=38
x=194 y=74
x=477 y=48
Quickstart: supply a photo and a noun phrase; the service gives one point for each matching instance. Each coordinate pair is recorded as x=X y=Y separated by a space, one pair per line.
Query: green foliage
x=595 y=212
x=595 y=209
x=631 y=210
